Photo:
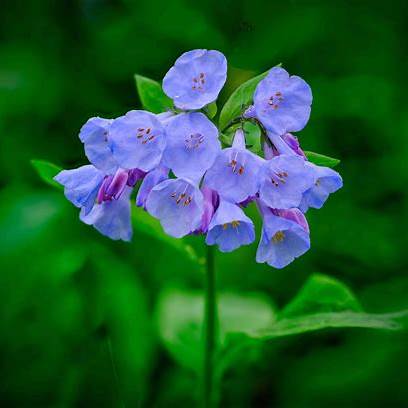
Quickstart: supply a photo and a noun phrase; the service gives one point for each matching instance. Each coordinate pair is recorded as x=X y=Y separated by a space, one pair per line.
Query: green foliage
x=321 y=160
x=253 y=137
x=151 y=95
x=239 y=100
x=47 y=171
x=211 y=110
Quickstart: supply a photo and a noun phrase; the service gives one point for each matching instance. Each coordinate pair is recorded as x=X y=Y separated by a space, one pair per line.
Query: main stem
x=210 y=330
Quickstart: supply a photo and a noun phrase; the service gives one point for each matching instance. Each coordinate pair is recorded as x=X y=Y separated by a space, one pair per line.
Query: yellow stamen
x=278 y=237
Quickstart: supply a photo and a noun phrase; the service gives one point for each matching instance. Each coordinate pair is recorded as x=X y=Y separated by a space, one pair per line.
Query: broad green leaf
x=180 y=320
x=319 y=321
x=146 y=224
x=151 y=95
x=322 y=160
x=321 y=293
x=239 y=99
x=211 y=109
x=47 y=171
x=324 y=302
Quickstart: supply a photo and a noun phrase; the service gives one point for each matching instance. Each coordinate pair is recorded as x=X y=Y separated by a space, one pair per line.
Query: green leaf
x=324 y=302
x=151 y=95
x=180 y=321
x=239 y=100
x=252 y=137
x=145 y=223
x=47 y=171
x=321 y=293
x=322 y=160
x=211 y=109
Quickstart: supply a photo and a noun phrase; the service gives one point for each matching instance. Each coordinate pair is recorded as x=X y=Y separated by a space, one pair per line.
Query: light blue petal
x=284 y=179
x=192 y=145
x=235 y=174
x=94 y=135
x=282 y=103
x=196 y=78
x=81 y=185
x=112 y=218
x=178 y=204
x=279 y=253
x=137 y=140
x=230 y=228
x=151 y=179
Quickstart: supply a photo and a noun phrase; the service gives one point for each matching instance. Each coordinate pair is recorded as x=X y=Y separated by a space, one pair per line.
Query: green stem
x=210 y=330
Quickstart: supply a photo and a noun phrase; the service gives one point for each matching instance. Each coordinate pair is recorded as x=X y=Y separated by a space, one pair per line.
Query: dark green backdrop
x=71 y=299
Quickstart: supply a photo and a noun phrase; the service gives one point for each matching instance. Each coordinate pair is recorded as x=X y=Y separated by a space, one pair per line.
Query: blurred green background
x=78 y=324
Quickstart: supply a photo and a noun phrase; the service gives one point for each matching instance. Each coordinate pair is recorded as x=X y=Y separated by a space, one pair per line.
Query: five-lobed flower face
x=192 y=185
x=196 y=78
x=192 y=145
x=282 y=102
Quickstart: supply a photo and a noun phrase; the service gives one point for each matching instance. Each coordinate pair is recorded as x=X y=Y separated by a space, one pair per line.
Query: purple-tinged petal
x=196 y=78
x=152 y=178
x=94 y=135
x=134 y=176
x=280 y=146
x=192 y=145
x=178 y=204
x=111 y=218
x=282 y=103
x=282 y=240
x=293 y=142
x=81 y=185
x=230 y=228
x=325 y=182
x=284 y=179
x=137 y=140
x=295 y=215
x=211 y=202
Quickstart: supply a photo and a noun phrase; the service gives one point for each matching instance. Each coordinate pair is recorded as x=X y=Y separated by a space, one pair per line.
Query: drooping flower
x=137 y=140
x=282 y=102
x=81 y=185
x=94 y=135
x=111 y=218
x=230 y=228
x=325 y=182
x=178 y=204
x=284 y=237
x=152 y=178
x=103 y=198
x=283 y=180
x=234 y=174
x=196 y=78
x=192 y=145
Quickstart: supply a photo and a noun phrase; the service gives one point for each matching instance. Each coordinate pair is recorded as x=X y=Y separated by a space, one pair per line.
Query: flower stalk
x=210 y=330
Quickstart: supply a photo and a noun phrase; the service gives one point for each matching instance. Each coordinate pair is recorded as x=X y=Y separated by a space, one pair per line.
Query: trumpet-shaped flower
x=103 y=198
x=137 y=140
x=230 y=228
x=282 y=102
x=94 y=135
x=234 y=174
x=283 y=181
x=81 y=185
x=325 y=182
x=111 y=218
x=196 y=78
x=283 y=238
x=178 y=204
x=192 y=145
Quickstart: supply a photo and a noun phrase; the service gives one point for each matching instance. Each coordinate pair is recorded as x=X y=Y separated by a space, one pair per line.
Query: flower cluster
x=189 y=182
